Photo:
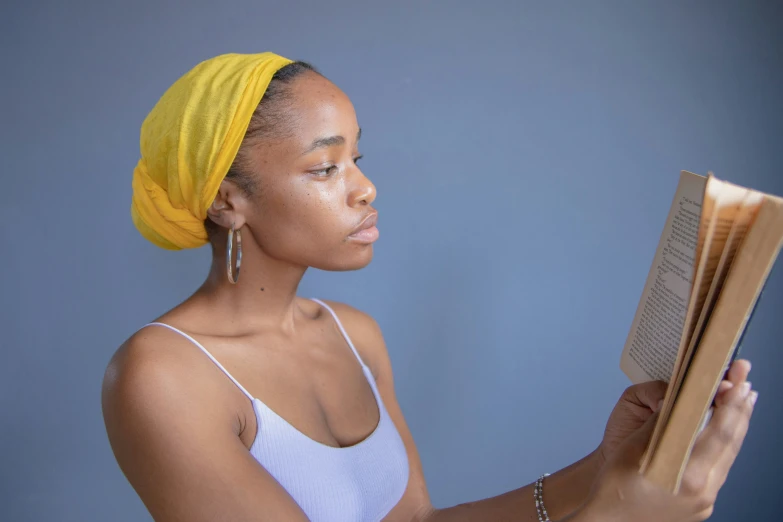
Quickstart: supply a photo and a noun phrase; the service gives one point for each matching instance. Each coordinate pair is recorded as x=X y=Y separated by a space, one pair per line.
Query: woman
x=248 y=403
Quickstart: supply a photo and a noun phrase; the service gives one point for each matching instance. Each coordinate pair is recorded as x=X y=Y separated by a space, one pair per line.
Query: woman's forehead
x=320 y=111
x=319 y=116
x=317 y=103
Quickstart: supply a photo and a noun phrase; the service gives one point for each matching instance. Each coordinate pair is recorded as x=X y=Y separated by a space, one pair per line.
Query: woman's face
x=312 y=197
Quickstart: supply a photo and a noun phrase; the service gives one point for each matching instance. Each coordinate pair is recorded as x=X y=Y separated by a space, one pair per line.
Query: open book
x=717 y=248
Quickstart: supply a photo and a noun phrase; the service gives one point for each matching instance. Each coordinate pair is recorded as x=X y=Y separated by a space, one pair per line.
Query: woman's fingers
x=739 y=370
x=718 y=445
x=737 y=374
x=647 y=394
x=725 y=386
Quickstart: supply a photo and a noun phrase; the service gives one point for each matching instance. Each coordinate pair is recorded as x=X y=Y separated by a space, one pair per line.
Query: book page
x=650 y=351
x=735 y=208
x=725 y=328
x=747 y=215
x=721 y=206
x=748 y=208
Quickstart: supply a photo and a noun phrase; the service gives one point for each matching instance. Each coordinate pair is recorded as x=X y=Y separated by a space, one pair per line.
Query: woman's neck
x=264 y=296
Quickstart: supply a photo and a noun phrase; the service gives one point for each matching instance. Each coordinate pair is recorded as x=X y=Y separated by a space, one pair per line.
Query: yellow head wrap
x=189 y=141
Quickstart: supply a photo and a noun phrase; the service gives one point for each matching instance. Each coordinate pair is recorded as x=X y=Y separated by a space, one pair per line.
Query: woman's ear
x=226 y=209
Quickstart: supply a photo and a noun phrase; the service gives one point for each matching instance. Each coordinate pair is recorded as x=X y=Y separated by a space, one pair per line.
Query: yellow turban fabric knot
x=189 y=141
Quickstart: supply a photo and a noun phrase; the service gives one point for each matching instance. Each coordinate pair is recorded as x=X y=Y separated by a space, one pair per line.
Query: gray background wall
x=541 y=140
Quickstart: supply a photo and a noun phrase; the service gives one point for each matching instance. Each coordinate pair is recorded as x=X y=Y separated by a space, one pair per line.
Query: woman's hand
x=621 y=493
x=640 y=401
x=635 y=407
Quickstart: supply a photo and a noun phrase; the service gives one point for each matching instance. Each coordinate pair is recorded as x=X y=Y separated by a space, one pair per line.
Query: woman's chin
x=355 y=261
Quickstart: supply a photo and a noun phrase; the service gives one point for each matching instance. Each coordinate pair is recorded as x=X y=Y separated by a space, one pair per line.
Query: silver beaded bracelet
x=538 y=496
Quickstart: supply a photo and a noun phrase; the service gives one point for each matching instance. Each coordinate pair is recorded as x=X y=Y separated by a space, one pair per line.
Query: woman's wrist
x=566 y=491
x=564 y=494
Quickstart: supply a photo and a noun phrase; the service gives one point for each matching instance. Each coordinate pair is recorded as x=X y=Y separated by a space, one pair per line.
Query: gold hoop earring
x=229 y=251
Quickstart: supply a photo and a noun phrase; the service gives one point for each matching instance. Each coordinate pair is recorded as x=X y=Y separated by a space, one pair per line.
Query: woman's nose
x=363 y=192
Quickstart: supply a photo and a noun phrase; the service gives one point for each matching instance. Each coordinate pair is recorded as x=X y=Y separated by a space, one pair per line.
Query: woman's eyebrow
x=330 y=141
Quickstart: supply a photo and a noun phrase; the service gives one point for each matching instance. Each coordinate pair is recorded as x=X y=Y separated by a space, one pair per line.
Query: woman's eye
x=328 y=171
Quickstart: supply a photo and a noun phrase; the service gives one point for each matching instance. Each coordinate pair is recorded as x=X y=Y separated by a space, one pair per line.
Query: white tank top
x=357 y=483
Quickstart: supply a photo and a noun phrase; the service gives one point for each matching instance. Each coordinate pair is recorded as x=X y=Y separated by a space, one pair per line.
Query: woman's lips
x=367 y=235
x=366 y=232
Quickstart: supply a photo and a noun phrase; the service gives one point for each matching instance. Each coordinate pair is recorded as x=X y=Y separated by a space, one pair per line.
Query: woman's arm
x=178 y=445
x=616 y=492
x=565 y=491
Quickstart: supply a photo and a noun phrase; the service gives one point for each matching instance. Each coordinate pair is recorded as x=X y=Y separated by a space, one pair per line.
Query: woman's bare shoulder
x=153 y=373
x=175 y=439
x=153 y=357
